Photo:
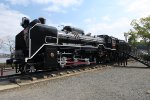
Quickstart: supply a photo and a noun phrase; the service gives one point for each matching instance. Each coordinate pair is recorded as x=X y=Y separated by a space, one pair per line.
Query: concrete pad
x=53 y=75
x=5 y=85
x=33 y=78
x=74 y=71
x=68 y=72
x=15 y=80
x=148 y=91
x=61 y=74
x=79 y=70
x=45 y=76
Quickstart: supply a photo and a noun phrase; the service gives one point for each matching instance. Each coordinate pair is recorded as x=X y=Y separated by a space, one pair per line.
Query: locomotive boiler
x=43 y=47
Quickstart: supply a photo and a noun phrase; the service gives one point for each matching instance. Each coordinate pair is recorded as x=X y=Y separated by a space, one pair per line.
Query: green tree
x=132 y=37
x=142 y=29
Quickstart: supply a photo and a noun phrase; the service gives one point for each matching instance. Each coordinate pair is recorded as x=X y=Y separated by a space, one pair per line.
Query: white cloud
x=54 y=5
x=41 y=1
x=134 y=9
x=140 y=8
x=115 y=28
x=106 y=18
x=9 y=21
x=19 y=2
x=63 y=3
x=54 y=8
x=60 y=5
x=88 y=20
x=66 y=3
x=67 y=24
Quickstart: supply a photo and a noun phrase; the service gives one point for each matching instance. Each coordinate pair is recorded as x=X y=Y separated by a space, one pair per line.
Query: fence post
x=2 y=71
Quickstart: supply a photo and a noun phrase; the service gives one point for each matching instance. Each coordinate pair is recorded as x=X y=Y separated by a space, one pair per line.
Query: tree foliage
x=10 y=44
x=7 y=44
x=1 y=43
x=141 y=29
x=133 y=37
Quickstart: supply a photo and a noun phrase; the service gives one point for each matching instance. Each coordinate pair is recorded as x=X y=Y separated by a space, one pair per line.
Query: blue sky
x=111 y=17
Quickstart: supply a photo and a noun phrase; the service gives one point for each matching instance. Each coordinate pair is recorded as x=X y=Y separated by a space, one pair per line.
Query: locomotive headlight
x=52 y=55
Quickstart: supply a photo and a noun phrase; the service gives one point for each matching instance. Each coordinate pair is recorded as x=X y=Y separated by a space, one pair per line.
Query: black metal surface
x=38 y=34
x=50 y=57
x=20 y=45
x=29 y=44
x=71 y=29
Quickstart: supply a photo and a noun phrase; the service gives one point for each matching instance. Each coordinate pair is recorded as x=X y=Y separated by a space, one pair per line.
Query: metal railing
x=6 y=70
x=140 y=55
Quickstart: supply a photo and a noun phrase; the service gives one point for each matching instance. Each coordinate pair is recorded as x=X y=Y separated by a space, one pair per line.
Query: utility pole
x=126 y=36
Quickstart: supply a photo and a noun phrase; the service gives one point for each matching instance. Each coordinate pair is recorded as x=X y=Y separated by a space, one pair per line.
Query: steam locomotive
x=42 y=47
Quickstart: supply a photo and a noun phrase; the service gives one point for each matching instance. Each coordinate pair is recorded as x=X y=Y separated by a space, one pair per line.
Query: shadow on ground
x=130 y=66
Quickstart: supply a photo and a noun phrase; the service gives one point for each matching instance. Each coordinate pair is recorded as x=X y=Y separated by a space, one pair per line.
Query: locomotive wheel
x=100 y=54
x=25 y=68
x=21 y=68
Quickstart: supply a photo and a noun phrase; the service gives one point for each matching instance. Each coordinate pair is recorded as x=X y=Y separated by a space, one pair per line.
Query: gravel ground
x=116 y=83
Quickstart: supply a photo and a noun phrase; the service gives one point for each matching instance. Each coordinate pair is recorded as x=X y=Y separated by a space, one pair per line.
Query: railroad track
x=48 y=75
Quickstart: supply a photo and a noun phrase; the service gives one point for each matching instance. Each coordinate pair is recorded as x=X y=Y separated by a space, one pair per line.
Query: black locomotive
x=43 y=47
